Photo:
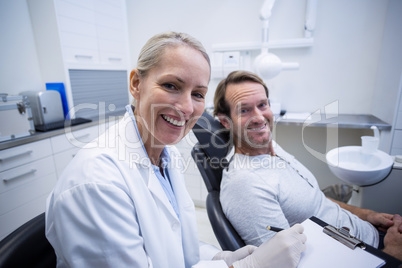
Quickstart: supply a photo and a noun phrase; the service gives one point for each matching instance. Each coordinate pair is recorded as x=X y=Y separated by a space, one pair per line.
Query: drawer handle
x=83 y=57
x=20 y=175
x=114 y=59
x=78 y=137
x=15 y=156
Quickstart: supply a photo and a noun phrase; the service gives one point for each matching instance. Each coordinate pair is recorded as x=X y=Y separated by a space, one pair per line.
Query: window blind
x=98 y=94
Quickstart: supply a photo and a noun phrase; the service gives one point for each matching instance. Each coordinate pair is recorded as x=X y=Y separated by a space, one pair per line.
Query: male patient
x=264 y=185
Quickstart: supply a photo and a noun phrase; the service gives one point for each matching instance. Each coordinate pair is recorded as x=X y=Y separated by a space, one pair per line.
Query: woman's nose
x=185 y=104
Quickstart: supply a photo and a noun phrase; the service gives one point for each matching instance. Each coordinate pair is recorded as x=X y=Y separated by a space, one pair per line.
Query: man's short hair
x=237 y=77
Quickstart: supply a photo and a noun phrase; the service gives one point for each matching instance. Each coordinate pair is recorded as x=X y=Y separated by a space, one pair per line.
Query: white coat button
x=175 y=226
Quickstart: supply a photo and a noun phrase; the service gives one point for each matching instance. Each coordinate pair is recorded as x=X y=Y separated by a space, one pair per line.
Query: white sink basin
x=353 y=166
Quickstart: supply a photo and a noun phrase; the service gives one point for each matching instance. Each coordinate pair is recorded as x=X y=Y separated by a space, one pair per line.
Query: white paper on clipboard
x=324 y=251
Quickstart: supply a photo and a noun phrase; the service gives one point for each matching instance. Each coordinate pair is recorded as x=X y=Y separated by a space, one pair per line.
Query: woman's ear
x=134 y=84
x=225 y=120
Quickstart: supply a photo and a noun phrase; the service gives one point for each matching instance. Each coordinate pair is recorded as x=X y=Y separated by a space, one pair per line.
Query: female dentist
x=123 y=203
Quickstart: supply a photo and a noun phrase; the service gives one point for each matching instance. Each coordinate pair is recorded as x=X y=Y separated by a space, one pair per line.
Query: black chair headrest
x=213 y=138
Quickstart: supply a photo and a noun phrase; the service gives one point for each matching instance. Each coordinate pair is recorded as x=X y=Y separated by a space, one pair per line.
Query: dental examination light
x=268 y=65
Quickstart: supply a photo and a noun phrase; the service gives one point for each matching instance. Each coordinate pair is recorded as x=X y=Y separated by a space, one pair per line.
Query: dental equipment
x=268 y=65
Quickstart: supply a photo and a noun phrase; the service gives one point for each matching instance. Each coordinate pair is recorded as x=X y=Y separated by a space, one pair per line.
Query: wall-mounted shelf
x=274 y=44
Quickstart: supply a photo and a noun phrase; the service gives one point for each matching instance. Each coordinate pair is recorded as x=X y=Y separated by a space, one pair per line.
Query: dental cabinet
x=66 y=146
x=81 y=33
x=84 y=44
x=29 y=168
x=27 y=176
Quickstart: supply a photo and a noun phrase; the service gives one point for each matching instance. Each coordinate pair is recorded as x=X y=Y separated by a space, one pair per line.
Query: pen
x=274 y=229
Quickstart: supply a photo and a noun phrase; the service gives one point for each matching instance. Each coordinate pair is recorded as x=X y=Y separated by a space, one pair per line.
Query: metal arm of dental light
x=311 y=14
x=268 y=65
x=265 y=14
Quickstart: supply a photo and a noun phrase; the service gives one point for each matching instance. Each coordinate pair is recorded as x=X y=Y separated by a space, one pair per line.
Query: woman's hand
x=231 y=256
x=283 y=250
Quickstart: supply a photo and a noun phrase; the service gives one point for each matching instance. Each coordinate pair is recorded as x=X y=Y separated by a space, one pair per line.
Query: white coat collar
x=131 y=147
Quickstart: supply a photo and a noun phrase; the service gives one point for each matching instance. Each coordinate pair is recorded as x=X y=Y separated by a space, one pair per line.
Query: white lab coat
x=108 y=208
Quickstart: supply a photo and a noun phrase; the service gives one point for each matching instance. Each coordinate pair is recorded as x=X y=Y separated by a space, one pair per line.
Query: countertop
x=43 y=135
x=333 y=120
x=298 y=119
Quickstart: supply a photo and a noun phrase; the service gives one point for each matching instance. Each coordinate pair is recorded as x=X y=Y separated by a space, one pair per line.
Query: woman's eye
x=243 y=111
x=198 y=95
x=169 y=86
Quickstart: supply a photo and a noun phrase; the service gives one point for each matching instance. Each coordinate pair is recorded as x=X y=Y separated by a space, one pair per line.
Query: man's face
x=251 y=117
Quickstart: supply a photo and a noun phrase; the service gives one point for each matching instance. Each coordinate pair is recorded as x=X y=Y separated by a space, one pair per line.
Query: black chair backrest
x=27 y=246
x=213 y=145
x=209 y=155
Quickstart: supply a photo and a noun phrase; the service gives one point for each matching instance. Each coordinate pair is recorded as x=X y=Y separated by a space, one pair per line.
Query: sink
x=353 y=166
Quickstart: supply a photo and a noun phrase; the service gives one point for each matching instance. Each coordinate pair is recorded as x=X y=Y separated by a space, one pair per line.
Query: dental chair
x=209 y=155
x=27 y=246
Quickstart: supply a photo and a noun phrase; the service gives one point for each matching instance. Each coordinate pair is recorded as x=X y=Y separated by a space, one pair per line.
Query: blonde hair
x=220 y=104
x=153 y=50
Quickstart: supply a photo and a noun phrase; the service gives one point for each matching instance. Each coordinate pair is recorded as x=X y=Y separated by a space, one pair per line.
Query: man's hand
x=380 y=220
x=393 y=239
x=283 y=250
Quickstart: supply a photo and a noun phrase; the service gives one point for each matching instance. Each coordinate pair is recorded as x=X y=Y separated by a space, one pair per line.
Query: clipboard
x=328 y=246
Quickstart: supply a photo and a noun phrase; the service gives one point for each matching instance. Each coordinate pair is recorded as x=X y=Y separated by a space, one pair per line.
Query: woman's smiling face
x=171 y=97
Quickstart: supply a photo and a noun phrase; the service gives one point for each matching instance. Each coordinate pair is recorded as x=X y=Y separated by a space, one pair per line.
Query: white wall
x=354 y=41
x=19 y=65
x=390 y=62
x=341 y=66
x=389 y=70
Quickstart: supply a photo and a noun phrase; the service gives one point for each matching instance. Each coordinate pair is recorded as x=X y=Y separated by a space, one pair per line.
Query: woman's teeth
x=173 y=121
